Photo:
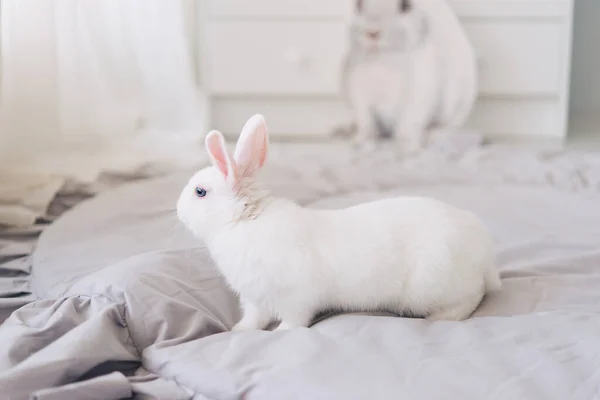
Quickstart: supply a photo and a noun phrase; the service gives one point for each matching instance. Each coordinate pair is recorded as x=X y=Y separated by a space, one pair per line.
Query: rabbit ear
x=215 y=145
x=252 y=146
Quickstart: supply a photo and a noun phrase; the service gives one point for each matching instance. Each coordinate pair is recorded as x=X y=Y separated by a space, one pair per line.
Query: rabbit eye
x=200 y=192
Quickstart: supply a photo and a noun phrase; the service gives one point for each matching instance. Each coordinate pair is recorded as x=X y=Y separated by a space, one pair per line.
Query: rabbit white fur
x=287 y=262
x=410 y=70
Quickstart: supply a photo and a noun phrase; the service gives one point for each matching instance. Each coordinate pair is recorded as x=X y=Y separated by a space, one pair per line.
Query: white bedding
x=130 y=305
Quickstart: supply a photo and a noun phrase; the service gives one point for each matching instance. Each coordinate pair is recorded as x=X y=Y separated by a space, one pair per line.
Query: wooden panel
x=538 y=118
x=511 y=8
x=280 y=8
x=518 y=58
x=318 y=117
x=275 y=57
x=311 y=117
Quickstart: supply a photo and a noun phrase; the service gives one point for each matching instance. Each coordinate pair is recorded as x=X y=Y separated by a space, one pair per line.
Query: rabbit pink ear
x=215 y=145
x=252 y=146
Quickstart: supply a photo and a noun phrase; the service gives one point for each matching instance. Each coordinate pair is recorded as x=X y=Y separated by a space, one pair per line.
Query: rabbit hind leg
x=458 y=311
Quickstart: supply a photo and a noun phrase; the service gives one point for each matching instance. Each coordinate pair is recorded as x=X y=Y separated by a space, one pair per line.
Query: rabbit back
x=405 y=254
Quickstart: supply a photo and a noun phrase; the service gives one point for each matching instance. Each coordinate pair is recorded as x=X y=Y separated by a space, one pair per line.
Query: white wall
x=585 y=71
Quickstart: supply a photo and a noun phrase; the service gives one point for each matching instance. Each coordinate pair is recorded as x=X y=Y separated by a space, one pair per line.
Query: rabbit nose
x=373 y=34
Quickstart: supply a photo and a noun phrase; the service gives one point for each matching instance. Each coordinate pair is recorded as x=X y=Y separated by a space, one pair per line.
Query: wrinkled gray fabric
x=17 y=243
x=127 y=290
x=145 y=221
x=113 y=386
x=542 y=356
x=16 y=246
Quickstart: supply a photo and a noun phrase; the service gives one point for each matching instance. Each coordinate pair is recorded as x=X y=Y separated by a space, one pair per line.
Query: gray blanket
x=131 y=306
x=17 y=243
x=16 y=247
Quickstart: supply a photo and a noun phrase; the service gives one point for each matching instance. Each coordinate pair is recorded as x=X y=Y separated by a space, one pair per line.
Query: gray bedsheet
x=16 y=247
x=131 y=306
x=17 y=243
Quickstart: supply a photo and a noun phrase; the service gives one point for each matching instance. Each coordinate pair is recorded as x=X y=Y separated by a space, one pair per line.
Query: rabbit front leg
x=365 y=135
x=293 y=323
x=409 y=138
x=295 y=318
x=412 y=125
x=254 y=317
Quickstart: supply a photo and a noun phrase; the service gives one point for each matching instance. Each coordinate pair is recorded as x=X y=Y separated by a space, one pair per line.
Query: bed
x=48 y=197
x=129 y=305
x=16 y=246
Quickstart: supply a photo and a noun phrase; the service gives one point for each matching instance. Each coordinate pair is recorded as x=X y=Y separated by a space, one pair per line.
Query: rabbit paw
x=254 y=319
x=283 y=326
x=299 y=321
x=243 y=326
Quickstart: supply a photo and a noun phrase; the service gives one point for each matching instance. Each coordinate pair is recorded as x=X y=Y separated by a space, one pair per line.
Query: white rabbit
x=405 y=254
x=410 y=70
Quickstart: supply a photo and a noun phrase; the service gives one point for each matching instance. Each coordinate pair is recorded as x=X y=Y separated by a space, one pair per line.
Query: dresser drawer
x=518 y=57
x=286 y=116
x=342 y=8
x=280 y=8
x=511 y=8
x=249 y=57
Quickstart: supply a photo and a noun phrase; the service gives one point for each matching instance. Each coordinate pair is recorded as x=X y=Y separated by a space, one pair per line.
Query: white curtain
x=94 y=85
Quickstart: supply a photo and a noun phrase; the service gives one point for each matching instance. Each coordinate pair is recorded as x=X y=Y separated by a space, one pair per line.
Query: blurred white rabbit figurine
x=410 y=68
x=405 y=254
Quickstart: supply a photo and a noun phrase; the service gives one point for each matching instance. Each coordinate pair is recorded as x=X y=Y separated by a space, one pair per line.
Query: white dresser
x=282 y=58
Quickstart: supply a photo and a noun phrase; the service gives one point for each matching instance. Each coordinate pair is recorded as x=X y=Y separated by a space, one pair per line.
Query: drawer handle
x=295 y=57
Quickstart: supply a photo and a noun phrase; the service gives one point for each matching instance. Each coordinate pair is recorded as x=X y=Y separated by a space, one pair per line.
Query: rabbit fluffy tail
x=492 y=280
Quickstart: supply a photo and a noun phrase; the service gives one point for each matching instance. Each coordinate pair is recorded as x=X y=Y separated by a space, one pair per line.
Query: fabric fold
x=114 y=386
x=58 y=342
